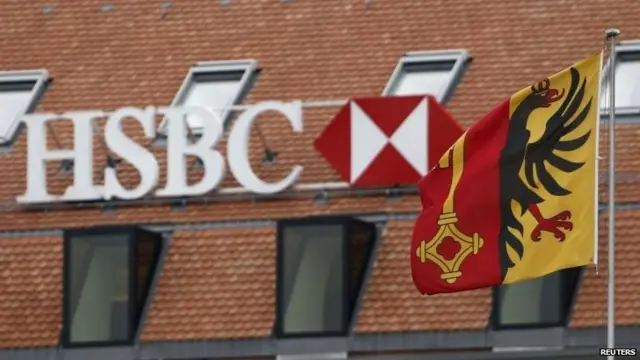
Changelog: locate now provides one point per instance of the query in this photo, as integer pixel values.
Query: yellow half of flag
(560, 168)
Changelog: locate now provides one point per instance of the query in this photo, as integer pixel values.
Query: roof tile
(31, 283)
(193, 289)
(215, 284)
(105, 67)
(591, 306)
(627, 163)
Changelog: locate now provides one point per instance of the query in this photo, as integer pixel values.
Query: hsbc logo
(387, 140)
(368, 140)
(378, 141)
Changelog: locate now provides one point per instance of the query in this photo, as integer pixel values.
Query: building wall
(217, 279)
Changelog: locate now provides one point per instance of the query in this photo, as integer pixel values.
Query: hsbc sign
(374, 141)
(387, 141)
(178, 148)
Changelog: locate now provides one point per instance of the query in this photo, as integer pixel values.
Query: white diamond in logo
(367, 140)
(410, 139)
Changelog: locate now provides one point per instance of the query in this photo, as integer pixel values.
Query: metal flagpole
(611, 37)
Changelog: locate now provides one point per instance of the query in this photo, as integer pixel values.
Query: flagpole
(611, 37)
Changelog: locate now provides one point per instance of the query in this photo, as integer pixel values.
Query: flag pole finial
(612, 32)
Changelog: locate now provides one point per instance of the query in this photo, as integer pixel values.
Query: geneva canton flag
(515, 197)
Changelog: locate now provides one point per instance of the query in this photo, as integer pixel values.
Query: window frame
(569, 294)
(624, 48)
(41, 79)
(349, 305)
(459, 57)
(248, 66)
(134, 312)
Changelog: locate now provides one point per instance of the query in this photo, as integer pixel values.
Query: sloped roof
(234, 296)
(215, 284)
(591, 306)
(330, 49)
(31, 296)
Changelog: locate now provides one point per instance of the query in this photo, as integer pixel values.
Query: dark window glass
(100, 273)
(147, 253)
(313, 264)
(119, 319)
(218, 76)
(429, 66)
(361, 240)
(540, 302)
(108, 273)
(321, 263)
(16, 86)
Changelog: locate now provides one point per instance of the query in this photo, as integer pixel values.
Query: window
(320, 269)
(217, 86)
(433, 73)
(20, 92)
(627, 78)
(107, 275)
(535, 303)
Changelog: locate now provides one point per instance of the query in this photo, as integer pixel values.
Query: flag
(515, 197)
